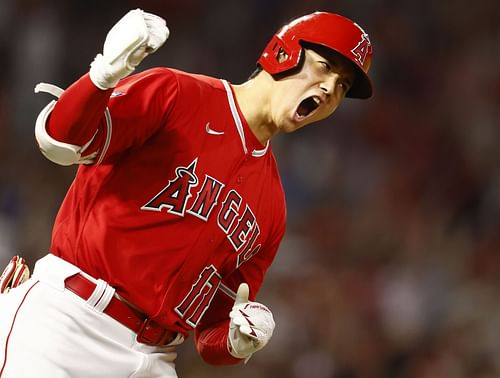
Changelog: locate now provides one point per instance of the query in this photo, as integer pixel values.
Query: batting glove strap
(250, 329)
(130, 40)
(15, 274)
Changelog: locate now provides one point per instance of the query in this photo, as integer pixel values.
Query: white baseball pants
(47, 331)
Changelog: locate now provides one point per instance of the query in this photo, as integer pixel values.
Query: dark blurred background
(391, 262)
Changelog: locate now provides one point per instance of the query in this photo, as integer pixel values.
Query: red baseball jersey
(182, 203)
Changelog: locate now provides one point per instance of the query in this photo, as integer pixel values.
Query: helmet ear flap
(280, 56)
(296, 67)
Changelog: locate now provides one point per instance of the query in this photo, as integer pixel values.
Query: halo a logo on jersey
(234, 217)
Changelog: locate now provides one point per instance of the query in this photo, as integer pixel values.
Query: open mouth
(307, 106)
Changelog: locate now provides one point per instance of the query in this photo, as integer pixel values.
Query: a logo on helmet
(362, 49)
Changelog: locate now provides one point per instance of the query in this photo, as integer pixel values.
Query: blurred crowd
(391, 262)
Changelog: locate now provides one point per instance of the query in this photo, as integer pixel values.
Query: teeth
(316, 100)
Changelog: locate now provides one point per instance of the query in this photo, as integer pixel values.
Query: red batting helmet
(325, 29)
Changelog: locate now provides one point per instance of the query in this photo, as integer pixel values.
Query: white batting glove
(129, 41)
(251, 325)
(15, 274)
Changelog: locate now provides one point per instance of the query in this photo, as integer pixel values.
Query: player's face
(311, 94)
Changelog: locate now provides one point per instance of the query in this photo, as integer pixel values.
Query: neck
(254, 102)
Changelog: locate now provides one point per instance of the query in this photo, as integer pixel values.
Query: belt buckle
(152, 333)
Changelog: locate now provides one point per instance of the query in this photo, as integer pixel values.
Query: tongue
(303, 109)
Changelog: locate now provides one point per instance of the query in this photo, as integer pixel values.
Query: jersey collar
(248, 139)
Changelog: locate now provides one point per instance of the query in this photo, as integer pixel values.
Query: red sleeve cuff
(212, 345)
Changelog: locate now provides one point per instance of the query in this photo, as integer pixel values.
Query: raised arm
(66, 130)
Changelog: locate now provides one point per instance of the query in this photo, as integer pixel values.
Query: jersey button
(239, 179)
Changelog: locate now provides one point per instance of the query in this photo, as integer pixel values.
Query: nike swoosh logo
(211, 131)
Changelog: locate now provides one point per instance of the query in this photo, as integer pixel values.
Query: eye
(344, 85)
(325, 65)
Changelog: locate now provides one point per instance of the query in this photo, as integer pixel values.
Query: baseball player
(176, 211)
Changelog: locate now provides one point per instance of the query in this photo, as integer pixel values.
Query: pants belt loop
(101, 296)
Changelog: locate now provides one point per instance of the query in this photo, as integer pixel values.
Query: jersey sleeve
(113, 121)
(211, 343)
(78, 112)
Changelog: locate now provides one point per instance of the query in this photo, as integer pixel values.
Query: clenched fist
(130, 40)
